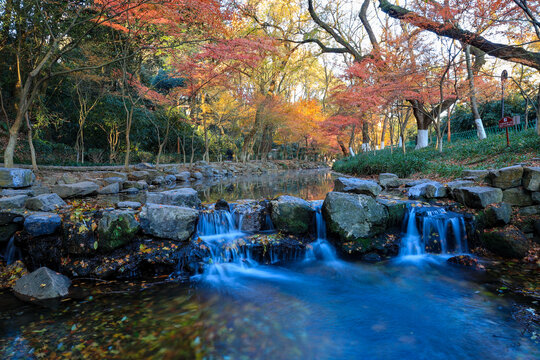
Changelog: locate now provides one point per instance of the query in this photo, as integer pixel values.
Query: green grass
(465, 154)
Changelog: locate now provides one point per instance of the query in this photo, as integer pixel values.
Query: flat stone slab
(478, 196)
(128, 205)
(357, 186)
(16, 178)
(45, 202)
(13, 202)
(428, 190)
(80, 189)
(42, 224)
(177, 197)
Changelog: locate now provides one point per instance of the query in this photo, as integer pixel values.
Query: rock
(251, 215)
(139, 175)
(417, 182)
(371, 257)
(128, 204)
(69, 178)
(42, 224)
(13, 202)
(113, 188)
(465, 260)
(10, 223)
(78, 237)
(517, 197)
(116, 228)
(507, 243)
(357, 186)
(507, 177)
(168, 222)
(178, 197)
(131, 191)
(354, 217)
(495, 215)
(113, 175)
(16, 178)
(291, 215)
(396, 210)
(531, 178)
(158, 180)
(478, 196)
(222, 205)
(45, 202)
(197, 175)
(529, 210)
(43, 284)
(535, 197)
(429, 190)
(144, 165)
(139, 185)
(80, 189)
(114, 179)
(170, 179)
(183, 176)
(14, 192)
(388, 180)
(476, 175)
(452, 185)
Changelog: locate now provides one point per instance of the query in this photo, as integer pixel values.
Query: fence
(471, 134)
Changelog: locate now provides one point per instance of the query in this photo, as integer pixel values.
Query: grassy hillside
(466, 154)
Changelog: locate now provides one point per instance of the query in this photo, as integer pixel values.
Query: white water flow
(433, 230)
(320, 249)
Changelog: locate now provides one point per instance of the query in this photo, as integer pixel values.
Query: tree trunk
(385, 122)
(423, 120)
(474, 105)
(129, 119)
(31, 144)
(365, 136)
(538, 112)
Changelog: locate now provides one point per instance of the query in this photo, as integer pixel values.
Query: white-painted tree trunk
(422, 139)
(351, 151)
(400, 143)
(366, 147)
(382, 145)
(480, 129)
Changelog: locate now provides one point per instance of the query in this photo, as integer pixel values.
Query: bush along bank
(160, 236)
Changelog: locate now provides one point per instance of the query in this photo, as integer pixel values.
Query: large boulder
(452, 185)
(531, 178)
(495, 215)
(116, 228)
(354, 217)
(357, 186)
(517, 197)
(80, 189)
(42, 284)
(388, 180)
(507, 243)
(178, 197)
(507, 177)
(396, 210)
(45, 202)
(16, 178)
(291, 214)
(13, 202)
(42, 224)
(169, 222)
(183, 176)
(429, 190)
(478, 196)
(140, 175)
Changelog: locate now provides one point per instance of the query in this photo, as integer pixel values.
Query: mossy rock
(508, 243)
(116, 228)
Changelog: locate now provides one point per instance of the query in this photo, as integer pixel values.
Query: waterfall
(432, 230)
(320, 248)
(12, 253)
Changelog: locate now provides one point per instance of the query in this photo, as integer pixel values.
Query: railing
(470, 134)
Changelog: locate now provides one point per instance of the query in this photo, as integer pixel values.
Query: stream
(312, 306)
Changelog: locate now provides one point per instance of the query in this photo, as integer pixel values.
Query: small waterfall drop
(432, 230)
(320, 248)
(12, 253)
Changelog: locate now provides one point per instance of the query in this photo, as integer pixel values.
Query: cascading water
(433, 230)
(12, 252)
(320, 248)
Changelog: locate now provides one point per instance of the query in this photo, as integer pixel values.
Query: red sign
(506, 122)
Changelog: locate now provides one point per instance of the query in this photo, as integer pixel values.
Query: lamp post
(504, 77)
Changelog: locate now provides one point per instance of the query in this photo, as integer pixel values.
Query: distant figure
(229, 154)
